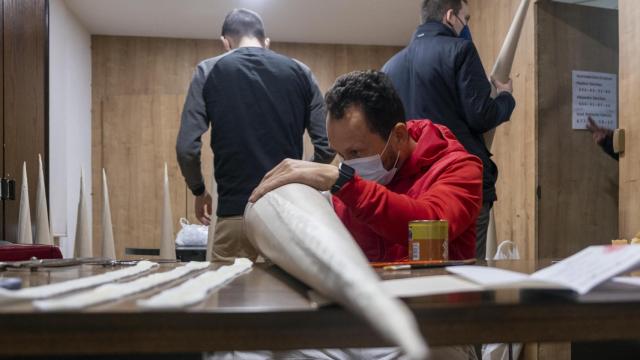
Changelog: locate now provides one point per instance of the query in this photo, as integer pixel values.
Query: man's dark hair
(435, 9)
(373, 93)
(241, 23)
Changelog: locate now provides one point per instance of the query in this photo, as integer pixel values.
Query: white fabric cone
(167, 241)
(43, 232)
(296, 227)
(83, 244)
(501, 72)
(25, 235)
(108, 243)
(502, 67)
(211, 229)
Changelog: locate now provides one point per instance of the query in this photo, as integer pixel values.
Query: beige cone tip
(108, 242)
(43, 230)
(83, 246)
(167, 241)
(25, 236)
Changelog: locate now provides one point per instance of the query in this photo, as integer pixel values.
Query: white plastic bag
(192, 234)
(507, 250)
(501, 351)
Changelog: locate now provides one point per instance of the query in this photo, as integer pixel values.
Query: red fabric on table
(22, 252)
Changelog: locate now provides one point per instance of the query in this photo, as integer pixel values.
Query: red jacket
(440, 180)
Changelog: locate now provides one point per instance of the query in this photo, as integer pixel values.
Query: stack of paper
(595, 266)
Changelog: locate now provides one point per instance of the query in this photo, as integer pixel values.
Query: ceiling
(608, 4)
(379, 22)
(376, 22)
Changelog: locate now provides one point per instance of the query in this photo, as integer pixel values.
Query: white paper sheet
(591, 267)
(627, 280)
(595, 95)
(428, 285)
(487, 276)
(580, 272)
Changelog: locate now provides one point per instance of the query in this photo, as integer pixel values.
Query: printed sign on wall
(595, 94)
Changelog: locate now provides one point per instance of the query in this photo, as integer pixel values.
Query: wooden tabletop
(267, 309)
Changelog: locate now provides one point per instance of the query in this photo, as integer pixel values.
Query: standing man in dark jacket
(440, 77)
(258, 104)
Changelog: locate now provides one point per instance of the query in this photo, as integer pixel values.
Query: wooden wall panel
(139, 85)
(629, 99)
(141, 131)
(578, 181)
(514, 147)
(2, 167)
(25, 40)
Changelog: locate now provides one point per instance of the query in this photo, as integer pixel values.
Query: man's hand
(318, 176)
(203, 208)
(598, 133)
(502, 87)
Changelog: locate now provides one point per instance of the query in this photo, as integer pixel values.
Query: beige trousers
(230, 241)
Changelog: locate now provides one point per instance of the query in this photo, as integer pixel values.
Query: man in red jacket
(392, 172)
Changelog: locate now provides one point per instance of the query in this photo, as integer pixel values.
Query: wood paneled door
(23, 99)
(578, 182)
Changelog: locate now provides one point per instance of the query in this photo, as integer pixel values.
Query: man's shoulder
(442, 44)
(397, 60)
(205, 66)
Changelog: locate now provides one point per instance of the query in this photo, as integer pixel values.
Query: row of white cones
(83, 246)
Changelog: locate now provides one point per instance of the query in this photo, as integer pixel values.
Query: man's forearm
(191, 170)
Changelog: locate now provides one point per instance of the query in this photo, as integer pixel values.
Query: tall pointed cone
(43, 233)
(211, 229)
(24, 218)
(83, 245)
(492, 242)
(502, 67)
(167, 242)
(501, 72)
(108, 244)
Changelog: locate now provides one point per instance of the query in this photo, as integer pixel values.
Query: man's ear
(267, 43)
(400, 132)
(225, 43)
(448, 17)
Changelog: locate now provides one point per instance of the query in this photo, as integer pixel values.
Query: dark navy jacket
(440, 77)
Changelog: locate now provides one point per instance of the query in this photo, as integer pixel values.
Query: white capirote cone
(83, 245)
(24, 218)
(108, 243)
(501, 72)
(167, 241)
(43, 232)
(502, 68)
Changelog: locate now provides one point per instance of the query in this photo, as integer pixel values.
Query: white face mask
(371, 167)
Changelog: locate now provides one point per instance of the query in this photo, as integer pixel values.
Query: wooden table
(267, 309)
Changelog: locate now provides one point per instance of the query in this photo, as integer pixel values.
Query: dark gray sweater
(258, 104)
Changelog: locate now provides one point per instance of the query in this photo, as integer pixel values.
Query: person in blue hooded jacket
(440, 77)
